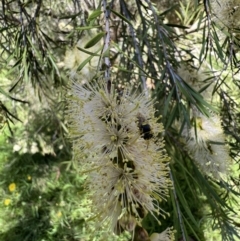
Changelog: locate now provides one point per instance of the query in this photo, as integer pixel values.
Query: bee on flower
(125, 158)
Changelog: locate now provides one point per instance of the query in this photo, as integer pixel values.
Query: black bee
(144, 127)
(146, 132)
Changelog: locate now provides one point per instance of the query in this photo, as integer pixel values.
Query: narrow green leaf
(191, 228)
(175, 212)
(70, 16)
(201, 103)
(2, 91)
(180, 228)
(169, 10)
(207, 189)
(87, 60)
(167, 102)
(204, 87)
(106, 53)
(3, 29)
(216, 143)
(176, 26)
(53, 63)
(88, 27)
(200, 18)
(25, 64)
(184, 203)
(185, 113)
(94, 40)
(129, 57)
(202, 51)
(94, 15)
(121, 16)
(36, 52)
(4, 108)
(126, 70)
(171, 117)
(219, 49)
(88, 52)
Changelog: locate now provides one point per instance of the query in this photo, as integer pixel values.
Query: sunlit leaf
(94, 40)
(94, 15)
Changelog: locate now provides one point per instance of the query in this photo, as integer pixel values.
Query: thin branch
(106, 41)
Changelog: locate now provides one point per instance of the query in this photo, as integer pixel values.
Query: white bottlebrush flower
(116, 140)
(166, 235)
(74, 57)
(226, 13)
(206, 144)
(197, 79)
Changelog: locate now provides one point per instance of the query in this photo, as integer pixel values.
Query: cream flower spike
(206, 142)
(197, 79)
(74, 57)
(207, 146)
(227, 13)
(116, 140)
